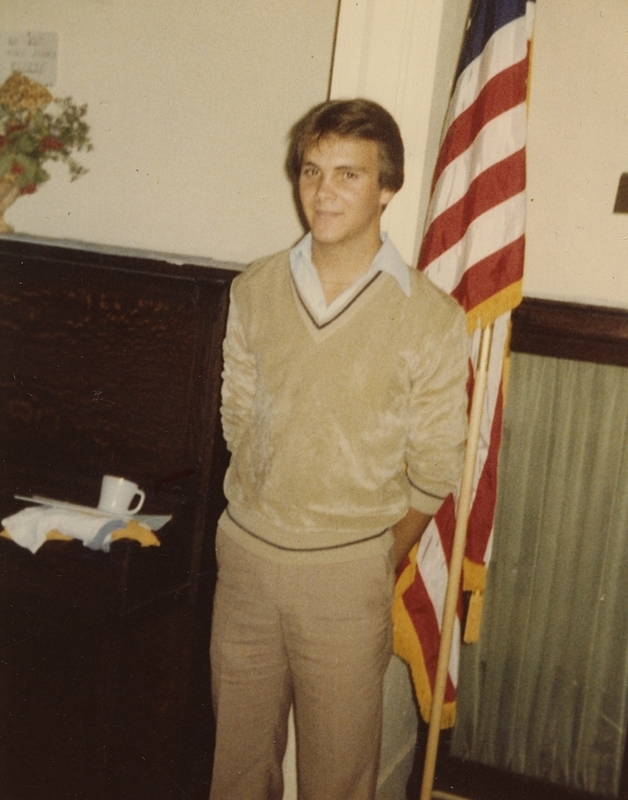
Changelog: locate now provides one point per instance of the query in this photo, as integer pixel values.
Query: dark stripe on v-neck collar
(322, 325)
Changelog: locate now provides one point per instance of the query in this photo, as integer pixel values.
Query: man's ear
(385, 196)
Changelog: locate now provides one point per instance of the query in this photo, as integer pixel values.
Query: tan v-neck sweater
(336, 429)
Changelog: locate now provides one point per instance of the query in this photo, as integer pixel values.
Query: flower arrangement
(31, 134)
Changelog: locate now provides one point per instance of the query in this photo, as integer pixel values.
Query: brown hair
(359, 119)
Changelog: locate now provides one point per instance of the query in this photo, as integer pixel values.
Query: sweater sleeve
(239, 380)
(438, 415)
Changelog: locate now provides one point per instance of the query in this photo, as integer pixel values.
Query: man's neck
(340, 265)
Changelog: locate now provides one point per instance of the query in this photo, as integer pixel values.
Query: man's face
(340, 192)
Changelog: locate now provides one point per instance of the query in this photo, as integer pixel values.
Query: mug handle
(142, 497)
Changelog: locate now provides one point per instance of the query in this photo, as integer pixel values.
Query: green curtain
(545, 690)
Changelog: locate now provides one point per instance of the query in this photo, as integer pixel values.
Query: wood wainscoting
(572, 331)
(556, 330)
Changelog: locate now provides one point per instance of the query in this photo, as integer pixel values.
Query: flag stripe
(408, 645)
(498, 139)
(501, 329)
(433, 565)
(503, 92)
(490, 231)
(481, 515)
(492, 186)
(505, 48)
(430, 588)
(499, 270)
(418, 605)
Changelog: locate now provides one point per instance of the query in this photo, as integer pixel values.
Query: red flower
(17, 169)
(14, 128)
(51, 143)
(30, 188)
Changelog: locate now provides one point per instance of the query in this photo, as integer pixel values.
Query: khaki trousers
(318, 636)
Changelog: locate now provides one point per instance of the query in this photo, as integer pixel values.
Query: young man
(344, 408)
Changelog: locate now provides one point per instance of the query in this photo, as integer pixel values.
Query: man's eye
(351, 175)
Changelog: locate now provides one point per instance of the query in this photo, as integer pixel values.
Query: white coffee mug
(117, 494)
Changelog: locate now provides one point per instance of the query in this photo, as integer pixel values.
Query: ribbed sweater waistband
(370, 545)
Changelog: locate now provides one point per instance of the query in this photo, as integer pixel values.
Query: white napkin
(29, 527)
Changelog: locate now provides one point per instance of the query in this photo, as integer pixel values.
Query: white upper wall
(577, 249)
(189, 105)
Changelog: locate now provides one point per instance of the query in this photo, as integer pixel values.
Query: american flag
(473, 248)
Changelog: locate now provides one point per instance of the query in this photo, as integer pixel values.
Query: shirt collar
(387, 259)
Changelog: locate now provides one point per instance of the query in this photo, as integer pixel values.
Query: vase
(9, 192)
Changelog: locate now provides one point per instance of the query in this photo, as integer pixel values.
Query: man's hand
(407, 532)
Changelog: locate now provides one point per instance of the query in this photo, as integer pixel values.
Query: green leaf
(30, 169)
(6, 161)
(27, 144)
(41, 175)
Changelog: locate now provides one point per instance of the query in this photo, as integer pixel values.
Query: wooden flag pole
(455, 568)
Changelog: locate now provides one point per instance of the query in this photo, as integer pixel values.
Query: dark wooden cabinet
(109, 364)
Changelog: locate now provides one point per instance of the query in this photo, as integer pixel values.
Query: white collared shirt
(309, 285)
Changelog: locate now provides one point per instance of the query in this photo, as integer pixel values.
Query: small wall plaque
(32, 53)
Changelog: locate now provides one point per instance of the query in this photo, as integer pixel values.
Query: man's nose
(326, 185)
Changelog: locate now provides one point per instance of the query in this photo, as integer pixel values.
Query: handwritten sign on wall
(30, 52)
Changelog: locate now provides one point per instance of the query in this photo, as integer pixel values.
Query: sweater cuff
(426, 503)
